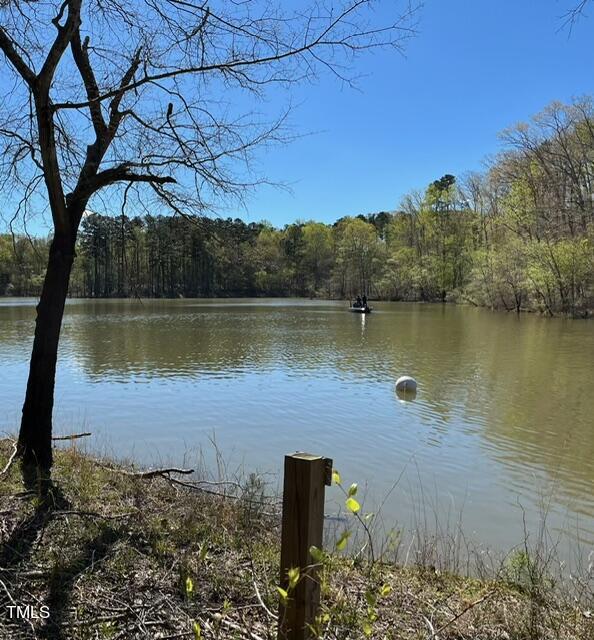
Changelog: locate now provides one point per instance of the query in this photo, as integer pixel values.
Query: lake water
(501, 430)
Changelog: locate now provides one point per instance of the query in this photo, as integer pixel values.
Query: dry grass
(118, 556)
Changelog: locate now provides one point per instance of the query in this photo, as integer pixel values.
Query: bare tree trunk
(35, 442)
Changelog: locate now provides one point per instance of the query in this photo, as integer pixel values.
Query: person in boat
(358, 303)
(364, 301)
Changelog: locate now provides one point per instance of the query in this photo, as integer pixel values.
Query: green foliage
(520, 237)
(283, 593)
(316, 554)
(352, 505)
(342, 541)
(108, 629)
(526, 571)
(362, 616)
(189, 584)
(22, 265)
(293, 575)
(293, 578)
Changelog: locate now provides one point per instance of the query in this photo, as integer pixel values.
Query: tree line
(518, 236)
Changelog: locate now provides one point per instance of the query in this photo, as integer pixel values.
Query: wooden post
(306, 476)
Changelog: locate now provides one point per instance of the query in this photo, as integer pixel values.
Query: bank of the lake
(115, 555)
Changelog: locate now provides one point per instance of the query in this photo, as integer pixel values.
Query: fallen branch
(159, 472)
(10, 460)
(93, 514)
(73, 436)
(150, 473)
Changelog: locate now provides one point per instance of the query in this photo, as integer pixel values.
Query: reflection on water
(406, 395)
(502, 420)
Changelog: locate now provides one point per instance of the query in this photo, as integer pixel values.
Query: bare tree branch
(9, 50)
(80, 53)
(571, 17)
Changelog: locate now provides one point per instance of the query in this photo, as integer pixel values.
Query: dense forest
(519, 236)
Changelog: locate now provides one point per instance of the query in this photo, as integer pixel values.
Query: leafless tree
(154, 99)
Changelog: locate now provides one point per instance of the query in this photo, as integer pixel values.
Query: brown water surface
(502, 428)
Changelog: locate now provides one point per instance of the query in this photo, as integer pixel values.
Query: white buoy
(406, 383)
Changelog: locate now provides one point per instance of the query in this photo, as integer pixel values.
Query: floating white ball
(406, 383)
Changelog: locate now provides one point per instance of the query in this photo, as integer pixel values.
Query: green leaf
(189, 586)
(367, 629)
(197, 631)
(283, 594)
(352, 505)
(316, 554)
(293, 575)
(203, 552)
(342, 541)
(335, 476)
(385, 590)
(353, 489)
(370, 598)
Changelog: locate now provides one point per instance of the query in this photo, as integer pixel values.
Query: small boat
(361, 309)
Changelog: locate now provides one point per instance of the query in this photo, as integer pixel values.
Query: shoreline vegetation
(117, 553)
(518, 237)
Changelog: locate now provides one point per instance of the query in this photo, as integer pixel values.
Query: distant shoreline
(586, 315)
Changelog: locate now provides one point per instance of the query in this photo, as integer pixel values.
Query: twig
(195, 487)
(272, 615)
(230, 496)
(468, 608)
(430, 626)
(12, 600)
(12, 457)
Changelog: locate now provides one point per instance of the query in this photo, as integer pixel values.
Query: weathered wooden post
(306, 476)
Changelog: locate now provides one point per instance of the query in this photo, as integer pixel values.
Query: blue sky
(475, 68)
